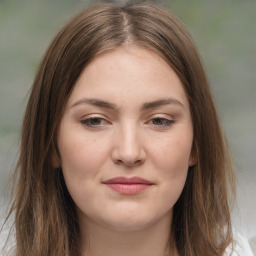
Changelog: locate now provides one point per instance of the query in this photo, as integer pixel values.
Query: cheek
(173, 153)
(171, 157)
(78, 150)
(173, 180)
(81, 159)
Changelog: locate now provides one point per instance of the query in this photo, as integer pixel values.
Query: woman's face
(125, 140)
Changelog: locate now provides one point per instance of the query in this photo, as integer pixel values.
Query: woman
(121, 150)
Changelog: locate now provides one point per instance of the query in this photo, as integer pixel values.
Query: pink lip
(128, 186)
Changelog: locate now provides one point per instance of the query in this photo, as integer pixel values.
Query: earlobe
(55, 158)
(192, 160)
(55, 161)
(193, 157)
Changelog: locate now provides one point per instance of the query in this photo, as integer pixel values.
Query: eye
(160, 121)
(94, 122)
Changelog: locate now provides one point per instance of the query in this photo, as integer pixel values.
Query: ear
(192, 160)
(193, 156)
(55, 158)
(55, 161)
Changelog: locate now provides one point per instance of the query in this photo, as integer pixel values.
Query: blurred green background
(223, 30)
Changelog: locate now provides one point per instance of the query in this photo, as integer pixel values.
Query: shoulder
(241, 247)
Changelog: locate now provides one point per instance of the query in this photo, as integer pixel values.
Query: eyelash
(88, 120)
(165, 122)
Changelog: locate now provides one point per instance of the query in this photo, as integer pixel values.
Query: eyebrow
(161, 102)
(147, 105)
(96, 102)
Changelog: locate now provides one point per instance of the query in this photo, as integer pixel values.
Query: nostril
(128, 150)
(130, 163)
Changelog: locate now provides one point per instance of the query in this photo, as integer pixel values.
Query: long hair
(45, 215)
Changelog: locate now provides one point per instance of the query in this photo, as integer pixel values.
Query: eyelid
(161, 115)
(94, 116)
(170, 120)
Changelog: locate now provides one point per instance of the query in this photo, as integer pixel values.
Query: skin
(128, 138)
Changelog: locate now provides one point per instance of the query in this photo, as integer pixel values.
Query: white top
(242, 247)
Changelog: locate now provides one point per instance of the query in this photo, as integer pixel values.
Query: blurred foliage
(26, 28)
(224, 31)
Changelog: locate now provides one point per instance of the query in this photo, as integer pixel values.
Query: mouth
(128, 186)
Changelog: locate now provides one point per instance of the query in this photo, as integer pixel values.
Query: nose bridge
(129, 142)
(129, 148)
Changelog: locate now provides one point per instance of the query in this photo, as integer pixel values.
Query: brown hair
(45, 216)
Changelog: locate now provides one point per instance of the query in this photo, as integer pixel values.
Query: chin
(129, 222)
(128, 225)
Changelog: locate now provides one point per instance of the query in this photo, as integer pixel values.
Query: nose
(128, 148)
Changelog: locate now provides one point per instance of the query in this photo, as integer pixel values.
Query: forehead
(127, 74)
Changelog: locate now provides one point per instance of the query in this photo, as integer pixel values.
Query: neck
(154, 240)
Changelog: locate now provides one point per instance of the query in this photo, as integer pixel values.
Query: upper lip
(125, 180)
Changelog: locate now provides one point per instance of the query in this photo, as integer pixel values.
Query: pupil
(158, 121)
(95, 121)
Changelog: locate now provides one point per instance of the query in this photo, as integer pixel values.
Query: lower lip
(128, 189)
